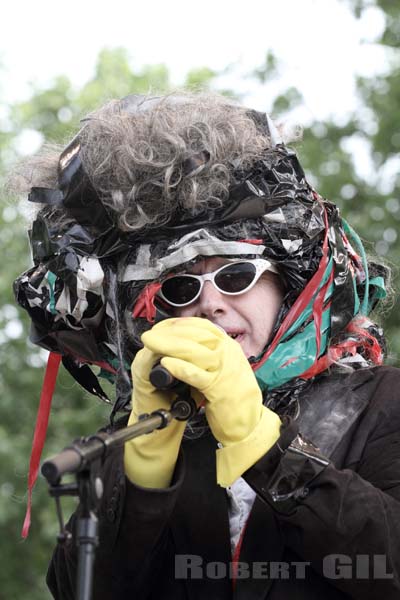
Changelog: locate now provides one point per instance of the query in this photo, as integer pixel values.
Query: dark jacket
(339, 537)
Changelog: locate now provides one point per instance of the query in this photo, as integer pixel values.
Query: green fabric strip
(51, 279)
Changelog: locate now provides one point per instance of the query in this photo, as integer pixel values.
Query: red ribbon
(144, 306)
(39, 436)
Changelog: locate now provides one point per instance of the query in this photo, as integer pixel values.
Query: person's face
(250, 316)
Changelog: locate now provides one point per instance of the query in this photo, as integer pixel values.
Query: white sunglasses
(232, 279)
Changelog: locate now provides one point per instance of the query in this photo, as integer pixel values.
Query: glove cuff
(235, 459)
(149, 460)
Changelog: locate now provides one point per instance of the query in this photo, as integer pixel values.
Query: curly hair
(159, 153)
(154, 155)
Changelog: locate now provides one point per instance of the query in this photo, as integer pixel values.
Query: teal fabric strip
(351, 233)
(292, 358)
(378, 283)
(51, 279)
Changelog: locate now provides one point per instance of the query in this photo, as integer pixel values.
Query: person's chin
(244, 346)
(249, 350)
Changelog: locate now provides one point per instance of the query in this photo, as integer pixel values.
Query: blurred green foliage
(371, 204)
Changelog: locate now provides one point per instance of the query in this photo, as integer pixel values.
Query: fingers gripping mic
(162, 379)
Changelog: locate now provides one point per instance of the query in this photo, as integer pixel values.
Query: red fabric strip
(98, 363)
(320, 365)
(39, 435)
(363, 339)
(236, 555)
(318, 308)
(252, 241)
(366, 340)
(144, 306)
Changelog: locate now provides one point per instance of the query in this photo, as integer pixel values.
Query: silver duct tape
(183, 251)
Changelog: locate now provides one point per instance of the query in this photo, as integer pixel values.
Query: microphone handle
(162, 379)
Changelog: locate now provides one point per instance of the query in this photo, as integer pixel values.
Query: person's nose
(211, 301)
(209, 304)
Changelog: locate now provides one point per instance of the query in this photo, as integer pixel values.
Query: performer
(182, 229)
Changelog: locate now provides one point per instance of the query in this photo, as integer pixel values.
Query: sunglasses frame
(261, 265)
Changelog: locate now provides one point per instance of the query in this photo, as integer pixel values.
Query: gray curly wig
(151, 155)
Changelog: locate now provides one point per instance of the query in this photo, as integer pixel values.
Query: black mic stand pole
(84, 458)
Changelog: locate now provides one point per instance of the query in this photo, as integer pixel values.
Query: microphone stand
(84, 458)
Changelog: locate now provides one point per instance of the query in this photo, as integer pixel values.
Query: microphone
(183, 407)
(162, 379)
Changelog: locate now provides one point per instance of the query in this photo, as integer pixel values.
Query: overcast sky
(319, 42)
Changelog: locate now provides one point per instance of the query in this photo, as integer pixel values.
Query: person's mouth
(239, 336)
(235, 335)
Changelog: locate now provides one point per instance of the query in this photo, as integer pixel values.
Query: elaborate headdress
(150, 184)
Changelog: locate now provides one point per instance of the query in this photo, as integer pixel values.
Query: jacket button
(111, 515)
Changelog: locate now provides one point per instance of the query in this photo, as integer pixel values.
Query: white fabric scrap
(63, 304)
(65, 309)
(241, 500)
(292, 245)
(79, 309)
(90, 277)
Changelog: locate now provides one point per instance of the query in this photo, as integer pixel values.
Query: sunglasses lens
(236, 277)
(180, 289)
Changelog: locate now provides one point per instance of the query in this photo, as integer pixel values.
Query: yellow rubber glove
(150, 459)
(205, 357)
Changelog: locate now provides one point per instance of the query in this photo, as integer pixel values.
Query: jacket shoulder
(383, 410)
